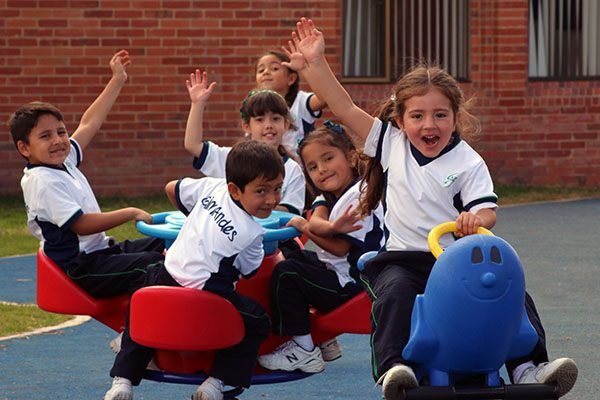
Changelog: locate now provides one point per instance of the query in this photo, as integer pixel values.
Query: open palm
(198, 86)
(308, 40)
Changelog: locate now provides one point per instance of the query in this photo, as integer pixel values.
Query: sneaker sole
(564, 377)
(393, 381)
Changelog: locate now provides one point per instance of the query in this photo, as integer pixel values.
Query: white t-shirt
(304, 120)
(218, 242)
(55, 197)
(369, 238)
(421, 193)
(211, 162)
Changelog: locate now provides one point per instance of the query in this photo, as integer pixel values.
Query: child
(210, 256)
(61, 208)
(265, 116)
(430, 175)
(305, 107)
(328, 278)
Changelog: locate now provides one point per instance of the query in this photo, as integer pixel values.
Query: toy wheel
(433, 239)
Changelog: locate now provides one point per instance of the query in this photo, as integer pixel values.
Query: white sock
(304, 341)
(518, 372)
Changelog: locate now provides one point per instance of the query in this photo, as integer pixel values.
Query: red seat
(57, 293)
(177, 318)
(351, 317)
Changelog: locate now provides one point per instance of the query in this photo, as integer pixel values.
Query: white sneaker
(561, 372)
(115, 344)
(398, 377)
(330, 350)
(121, 389)
(290, 356)
(210, 389)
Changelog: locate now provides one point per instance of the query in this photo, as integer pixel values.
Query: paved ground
(558, 244)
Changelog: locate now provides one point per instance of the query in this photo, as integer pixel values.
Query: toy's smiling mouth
(486, 291)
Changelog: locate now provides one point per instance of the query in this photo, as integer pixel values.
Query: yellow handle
(433, 239)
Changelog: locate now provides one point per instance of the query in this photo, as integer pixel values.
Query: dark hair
(416, 82)
(249, 160)
(261, 101)
(293, 90)
(333, 135)
(22, 121)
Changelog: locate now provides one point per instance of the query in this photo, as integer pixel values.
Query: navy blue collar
(61, 168)
(424, 160)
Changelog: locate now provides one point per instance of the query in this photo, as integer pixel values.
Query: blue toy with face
(471, 317)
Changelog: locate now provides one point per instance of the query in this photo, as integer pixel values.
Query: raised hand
(119, 63)
(198, 86)
(308, 40)
(347, 222)
(297, 62)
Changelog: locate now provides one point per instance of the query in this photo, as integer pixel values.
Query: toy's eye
(495, 255)
(477, 256)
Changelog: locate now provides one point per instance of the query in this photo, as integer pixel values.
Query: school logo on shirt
(450, 179)
(215, 211)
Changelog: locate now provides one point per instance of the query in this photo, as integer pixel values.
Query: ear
(245, 126)
(234, 191)
(292, 78)
(23, 148)
(398, 122)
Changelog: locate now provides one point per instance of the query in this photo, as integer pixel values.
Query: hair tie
(337, 128)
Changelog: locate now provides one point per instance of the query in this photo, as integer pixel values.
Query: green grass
(25, 318)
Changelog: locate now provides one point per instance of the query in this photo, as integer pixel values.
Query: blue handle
(360, 264)
(166, 225)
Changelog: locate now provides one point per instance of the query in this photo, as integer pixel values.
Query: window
(564, 36)
(383, 37)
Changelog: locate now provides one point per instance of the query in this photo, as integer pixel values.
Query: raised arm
(94, 116)
(317, 72)
(199, 91)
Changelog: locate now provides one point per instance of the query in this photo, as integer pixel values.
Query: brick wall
(543, 133)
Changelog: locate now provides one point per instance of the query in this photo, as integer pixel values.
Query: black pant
(394, 279)
(118, 269)
(302, 281)
(232, 365)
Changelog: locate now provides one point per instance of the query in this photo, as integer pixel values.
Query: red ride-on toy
(188, 326)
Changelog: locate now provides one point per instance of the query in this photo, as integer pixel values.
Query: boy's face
(48, 142)
(259, 197)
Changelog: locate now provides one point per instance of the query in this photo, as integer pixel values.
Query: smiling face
(270, 74)
(48, 142)
(428, 122)
(260, 196)
(267, 128)
(328, 167)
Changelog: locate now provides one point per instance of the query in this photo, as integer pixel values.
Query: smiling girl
(327, 278)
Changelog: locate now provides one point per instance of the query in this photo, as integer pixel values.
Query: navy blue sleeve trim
(78, 150)
(319, 203)
(72, 220)
(379, 151)
(180, 205)
(316, 114)
(291, 209)
(350, 239)
(199, 161)
(490, 199)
